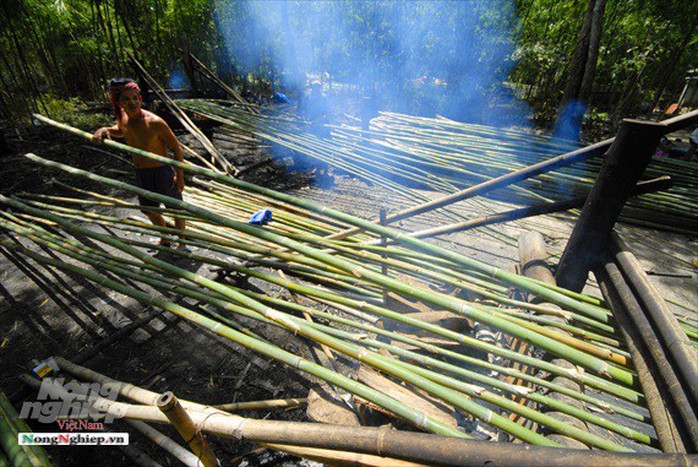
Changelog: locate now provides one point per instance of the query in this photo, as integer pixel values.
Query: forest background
(495, 62)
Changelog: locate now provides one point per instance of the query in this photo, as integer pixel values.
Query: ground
(45, 313)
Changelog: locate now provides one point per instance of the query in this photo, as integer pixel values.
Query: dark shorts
(159, 180)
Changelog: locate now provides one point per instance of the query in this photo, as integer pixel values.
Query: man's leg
(158, 220)
(181, 224)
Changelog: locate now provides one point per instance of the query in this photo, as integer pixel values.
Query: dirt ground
(45, 313)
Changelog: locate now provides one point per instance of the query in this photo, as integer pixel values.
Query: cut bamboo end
(178, 417)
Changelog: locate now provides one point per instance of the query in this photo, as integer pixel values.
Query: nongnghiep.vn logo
(58, 401)
(73, 439)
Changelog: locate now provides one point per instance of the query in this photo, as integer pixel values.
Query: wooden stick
(334, 457)
(626, 162)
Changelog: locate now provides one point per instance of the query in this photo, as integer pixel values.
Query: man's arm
(107, 132)
(171, 142)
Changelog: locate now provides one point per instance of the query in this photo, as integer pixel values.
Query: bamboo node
(462, 308)
(422, 421)
(604, 370)
(237, 430)
(521, 390)
(298, 362)
(380, 440)
(361, 354)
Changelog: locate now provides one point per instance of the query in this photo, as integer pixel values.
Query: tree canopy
(462, 59)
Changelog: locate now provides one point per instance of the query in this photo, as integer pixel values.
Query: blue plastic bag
(261, 217)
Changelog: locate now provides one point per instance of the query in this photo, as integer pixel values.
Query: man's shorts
(159, 180)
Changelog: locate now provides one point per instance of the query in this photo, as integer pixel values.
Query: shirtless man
(145, 130)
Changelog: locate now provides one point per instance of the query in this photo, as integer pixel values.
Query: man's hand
(101, 134)
(179, 181)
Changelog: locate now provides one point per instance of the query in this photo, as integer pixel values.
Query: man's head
(125, 94)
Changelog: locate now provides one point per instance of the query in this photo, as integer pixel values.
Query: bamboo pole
(268, 404)
(177, 451)
(212, 76)
(178, 417)
(662, 415)
(10, 427)
(675, 340)
(649, 186)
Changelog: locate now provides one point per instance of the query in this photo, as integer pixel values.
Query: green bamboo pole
(10, 426)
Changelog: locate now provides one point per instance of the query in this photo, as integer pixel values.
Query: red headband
(116, 91)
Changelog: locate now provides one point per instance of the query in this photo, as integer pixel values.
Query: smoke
(423, 57)
(177, 80)
(569, 122)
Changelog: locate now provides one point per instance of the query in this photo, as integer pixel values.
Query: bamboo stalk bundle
(349, 271)
(479, 393)
(194, 169)
(378, 279)
(445, 156)
(342, 347)
(506, 150)
(130, 392)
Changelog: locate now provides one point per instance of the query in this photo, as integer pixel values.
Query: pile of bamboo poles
(346, 278)
(401, 151)
(11, 452)
(346, 275)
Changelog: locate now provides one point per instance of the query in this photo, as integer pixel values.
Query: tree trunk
(578, 63)
(24, 64)
(593, 51)
(581, 72)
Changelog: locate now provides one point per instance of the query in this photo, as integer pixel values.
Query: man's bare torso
(144, 133)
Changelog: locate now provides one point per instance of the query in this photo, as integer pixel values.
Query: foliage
(73, 112)
(387, 47)
(646, 48)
